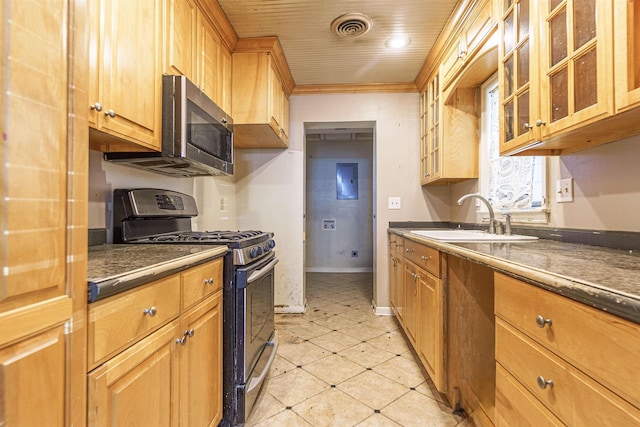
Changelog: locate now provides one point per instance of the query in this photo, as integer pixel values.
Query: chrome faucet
(492, 219)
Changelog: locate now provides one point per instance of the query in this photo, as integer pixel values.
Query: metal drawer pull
(150, 311)
(542, 383)
(110, 113)
(97, 106)
(425, 258)
(208, 281)
(541, 321)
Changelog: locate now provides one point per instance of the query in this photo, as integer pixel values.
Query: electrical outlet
(564, 190)
(394, 202)
(328, 224)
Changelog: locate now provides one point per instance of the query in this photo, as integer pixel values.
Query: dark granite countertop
(116, 268)
(607, 279)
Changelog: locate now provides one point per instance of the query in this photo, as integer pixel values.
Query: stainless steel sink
(449, 235)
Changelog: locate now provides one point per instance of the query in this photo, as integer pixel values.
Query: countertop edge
(104, 287)
(619, 304)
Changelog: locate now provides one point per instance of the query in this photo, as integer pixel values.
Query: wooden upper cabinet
(477, 26)
(449, 138)
(627, 67)
(194, 48)
(180, 24)
(125, 94)
(261, 86)
(556, 74)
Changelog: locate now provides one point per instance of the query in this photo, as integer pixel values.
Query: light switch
(564, 190)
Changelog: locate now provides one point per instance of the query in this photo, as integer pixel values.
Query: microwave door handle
(256, 381)
(258, 274)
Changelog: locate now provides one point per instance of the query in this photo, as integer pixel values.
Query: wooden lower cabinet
(578, 363)
(516, 407)
(139, 385)
(201, 365)
(417, 299)
(173, 375)
(410, 316)
(430, 328)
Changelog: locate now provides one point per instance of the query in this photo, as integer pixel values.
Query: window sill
(521, 216)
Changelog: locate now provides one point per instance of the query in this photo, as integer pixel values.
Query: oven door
(255, 285)
(257, 342)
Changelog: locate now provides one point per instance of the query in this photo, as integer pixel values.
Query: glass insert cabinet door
(555, 69)
(518, 75)
(430, 135)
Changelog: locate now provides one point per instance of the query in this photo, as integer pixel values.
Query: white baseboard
(338, 270)
(382, 311)
(296, 309)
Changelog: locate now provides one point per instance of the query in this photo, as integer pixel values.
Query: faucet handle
(507, 224)
(498, 227)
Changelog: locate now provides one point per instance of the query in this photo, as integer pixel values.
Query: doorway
(339, 197)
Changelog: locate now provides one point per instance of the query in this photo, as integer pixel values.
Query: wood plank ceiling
(317, 56)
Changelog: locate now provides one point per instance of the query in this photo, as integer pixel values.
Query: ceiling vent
(351, 25)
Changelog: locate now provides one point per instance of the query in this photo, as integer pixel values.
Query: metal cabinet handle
(110, 113)
(150, 311)
(187, 334)
(97, 106)
(541, 321)
(539, 123)
(543, 383)
(527, 126)
(425, 258)
(208, 281)
(223, 120)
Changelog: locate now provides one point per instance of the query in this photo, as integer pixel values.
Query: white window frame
(532, 215)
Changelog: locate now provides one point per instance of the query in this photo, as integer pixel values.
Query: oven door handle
(258, 274)
(255, 382)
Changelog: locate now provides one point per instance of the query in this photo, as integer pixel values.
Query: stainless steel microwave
(197, 135)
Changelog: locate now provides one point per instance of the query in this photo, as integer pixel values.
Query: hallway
(339, 365)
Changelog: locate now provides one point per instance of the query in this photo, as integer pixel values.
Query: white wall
(215, 196)
(329, 250)
(270, 183)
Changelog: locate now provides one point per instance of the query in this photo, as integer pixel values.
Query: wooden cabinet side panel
(471, 338)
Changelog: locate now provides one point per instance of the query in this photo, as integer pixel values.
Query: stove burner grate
(206, 236)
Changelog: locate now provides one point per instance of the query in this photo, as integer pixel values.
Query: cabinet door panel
(131, 70)
(627, 67)
(201, 365)
(32, 380)
(138, 386)
(430, 327)
(181, 38)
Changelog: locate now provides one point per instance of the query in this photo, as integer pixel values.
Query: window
(515, 184)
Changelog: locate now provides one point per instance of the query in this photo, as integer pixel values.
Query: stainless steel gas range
(153, 216)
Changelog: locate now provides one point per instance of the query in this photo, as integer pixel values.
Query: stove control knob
(253, 253)
(272, 243)
(267, 248)
(259, 250)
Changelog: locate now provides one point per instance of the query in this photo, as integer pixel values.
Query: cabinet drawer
(120, 320)
(424, 256)
(574, 397)
(198, 282)
(604, 346)
(515, 406)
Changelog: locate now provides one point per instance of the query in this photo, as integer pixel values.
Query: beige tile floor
(339, 365)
